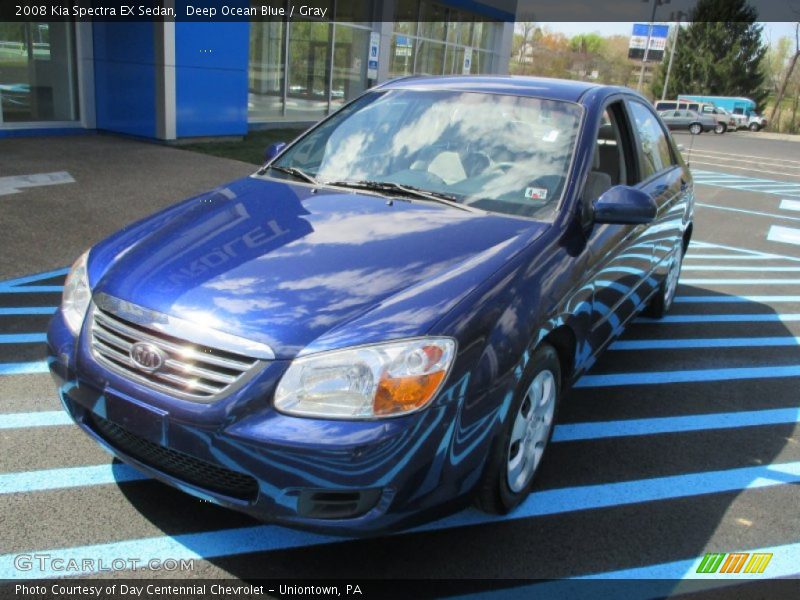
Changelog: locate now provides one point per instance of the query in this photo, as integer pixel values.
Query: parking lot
(683, 439)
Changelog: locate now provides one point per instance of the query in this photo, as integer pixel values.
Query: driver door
(619, 256)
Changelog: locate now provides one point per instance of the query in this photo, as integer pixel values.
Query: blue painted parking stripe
(786, 235)
(34, 277)
(23, 368)
(54, 479)
(733, 299)
(706, 281)
(708, 246)
(264, 538)
(733, 182)
(687, 376)
(758, 268)
(613, 429)
(757, 213)
(672, 344)
(45, 418)
(22, 338)
(773, 184)
(790, 205)
(28, 310)
(727, 177)
(693, 256)
(719, 181)
(745, 318)
(35, 289)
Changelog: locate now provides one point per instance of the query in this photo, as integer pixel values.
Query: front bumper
(346, 477)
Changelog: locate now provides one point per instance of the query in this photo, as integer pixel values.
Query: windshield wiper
(295, 172)
(406, 190)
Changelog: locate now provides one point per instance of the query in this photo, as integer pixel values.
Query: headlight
(380, 380)
(76, 295)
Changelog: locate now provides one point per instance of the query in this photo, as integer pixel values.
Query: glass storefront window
(266, 70)
(459, 29)
(350, 48)
(37, 72)
(484, 37)
(481, 62)
(454, 60)
(303, 70)
(430, 58)
(432, 21)
(402, 55)
(309, 68)
(406, 15)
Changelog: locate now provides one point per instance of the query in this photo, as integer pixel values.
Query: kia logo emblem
(147, 357)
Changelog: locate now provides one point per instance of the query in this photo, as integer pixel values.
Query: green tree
(719, 53)
(588, 43)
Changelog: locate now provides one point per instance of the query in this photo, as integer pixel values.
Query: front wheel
(720, 128)
(695, 129)
(754, 127)
(518, 451)
(662, 301)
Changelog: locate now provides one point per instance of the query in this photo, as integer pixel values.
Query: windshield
(499, 153)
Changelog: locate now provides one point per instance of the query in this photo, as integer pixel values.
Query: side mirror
(273, 150)
(625, 206)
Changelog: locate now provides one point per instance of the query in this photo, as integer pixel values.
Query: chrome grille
(191, 371)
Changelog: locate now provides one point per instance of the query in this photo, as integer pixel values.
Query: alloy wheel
(531, 430)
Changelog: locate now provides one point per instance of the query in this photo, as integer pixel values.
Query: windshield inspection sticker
(535, 193)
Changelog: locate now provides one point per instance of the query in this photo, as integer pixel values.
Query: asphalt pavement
(683, 439)
(101, 184)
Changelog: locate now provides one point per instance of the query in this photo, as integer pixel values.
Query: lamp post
(656, 4)
(675, 17)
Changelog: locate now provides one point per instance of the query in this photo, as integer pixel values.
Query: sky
(772, 31)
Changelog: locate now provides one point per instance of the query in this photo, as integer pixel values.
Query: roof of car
(557, 89)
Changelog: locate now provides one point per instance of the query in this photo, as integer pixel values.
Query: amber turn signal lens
(404, 394)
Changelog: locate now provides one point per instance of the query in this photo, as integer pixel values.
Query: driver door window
(655, 155)
(611, 163)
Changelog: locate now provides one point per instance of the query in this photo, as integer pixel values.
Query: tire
(518, 450)
(661, 302)
(695, 129)
(720, 128)
(754, 127)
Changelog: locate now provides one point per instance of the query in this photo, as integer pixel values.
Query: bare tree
(526, 28)
(788, 76)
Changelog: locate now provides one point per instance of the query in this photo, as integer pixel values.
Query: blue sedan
(378, 326)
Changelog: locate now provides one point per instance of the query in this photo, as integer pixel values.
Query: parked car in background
(689, 120)
(756, 122)
(723, 122)
(378, 326)
(733, 122)
(733, 104)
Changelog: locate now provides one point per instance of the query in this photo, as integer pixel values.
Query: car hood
(282, 264)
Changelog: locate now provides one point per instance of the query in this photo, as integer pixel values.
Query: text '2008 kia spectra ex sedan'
(378, 326)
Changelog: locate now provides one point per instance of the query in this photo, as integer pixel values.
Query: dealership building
(193, 79)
